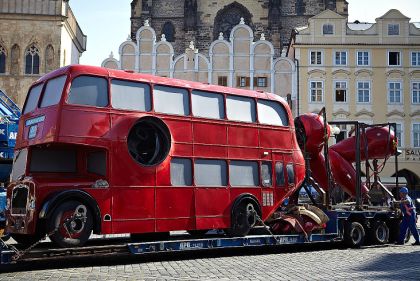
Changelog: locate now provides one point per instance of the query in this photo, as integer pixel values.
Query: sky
(107, 22)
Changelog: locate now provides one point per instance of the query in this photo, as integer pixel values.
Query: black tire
(26, 240)
(379, 233)
(354, 234)
(243, 219)
(72, 222)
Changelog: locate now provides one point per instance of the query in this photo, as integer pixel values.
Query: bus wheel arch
(244, 214)
(73, 195)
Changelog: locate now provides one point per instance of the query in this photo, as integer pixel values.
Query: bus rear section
(115, 152)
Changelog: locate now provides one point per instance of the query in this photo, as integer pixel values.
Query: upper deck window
(208, 105)
(272, 113)
(171, 100)
(240, 109)
(89, 90)
(32, 99)
(130, 95)
(53, 91)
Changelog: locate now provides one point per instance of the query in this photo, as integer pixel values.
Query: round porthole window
(149, 141)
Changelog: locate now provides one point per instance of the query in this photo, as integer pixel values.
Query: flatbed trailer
(333, 232)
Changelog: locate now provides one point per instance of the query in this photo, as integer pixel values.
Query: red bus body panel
(142, 199)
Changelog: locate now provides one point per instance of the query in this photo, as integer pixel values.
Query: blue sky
(107, 22)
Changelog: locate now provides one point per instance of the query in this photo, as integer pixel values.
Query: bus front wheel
(244, 217)
(71, 224)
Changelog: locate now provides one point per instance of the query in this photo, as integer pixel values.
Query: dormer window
(393, 29)
(327, 28)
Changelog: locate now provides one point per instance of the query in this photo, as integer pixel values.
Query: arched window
(2, 59)
(49, 58)
(32, 60)
(14, 61)
(169, 31)
(229, 17)
(328, 28)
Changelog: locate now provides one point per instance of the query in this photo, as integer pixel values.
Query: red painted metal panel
(174, 202)
(276, 138)
(83, 123)
(134, 226)
(213, 223)
(210, 151)
(246, 153)
(132, 203)
(211, 201)
(243, 136)
(180, 128)
(182, 149)
(210, 133)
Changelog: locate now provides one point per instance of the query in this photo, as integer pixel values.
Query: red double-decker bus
(115, 152)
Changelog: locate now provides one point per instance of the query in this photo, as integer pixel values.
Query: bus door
(280, 180)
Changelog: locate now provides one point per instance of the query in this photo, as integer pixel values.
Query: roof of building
(359, 25)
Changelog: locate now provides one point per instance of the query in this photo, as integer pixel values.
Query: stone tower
(203, 21)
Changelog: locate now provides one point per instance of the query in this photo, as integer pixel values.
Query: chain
(275, 237)
(19, 254)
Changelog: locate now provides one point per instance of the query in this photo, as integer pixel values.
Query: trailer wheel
(243, 219)
(354, 234)
(71, 224)
(379, 234)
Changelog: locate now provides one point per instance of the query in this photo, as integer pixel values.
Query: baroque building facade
(202, 21)
(36, 37)
(369, 72)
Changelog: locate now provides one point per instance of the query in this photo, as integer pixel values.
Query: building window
(32, 60)
(340, 91)
(394, 92)
(222, 80)
(242, 81)
(316, 57)
(327, 29)
(261, 81)
(340, 58)
(393, 29)
(169, 31)
(415, 92)
(316, 91)
(2, 59)
(362, 58)
(363, 91)
(416, 135)
(415, 59)
(394, 58)
(398, 134)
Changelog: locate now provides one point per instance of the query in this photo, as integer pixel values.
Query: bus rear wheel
(244, 217)
(71, 224)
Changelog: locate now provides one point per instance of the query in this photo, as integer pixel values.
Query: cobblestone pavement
(305, 262)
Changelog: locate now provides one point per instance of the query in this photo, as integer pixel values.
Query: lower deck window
(181, 172)
(243, 173)
(50, 160)
(96, 163)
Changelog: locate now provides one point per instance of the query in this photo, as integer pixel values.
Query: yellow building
(368, 72)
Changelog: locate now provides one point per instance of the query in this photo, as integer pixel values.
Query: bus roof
(148, 78)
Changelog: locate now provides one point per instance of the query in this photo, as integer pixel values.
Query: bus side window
(240, 109)
(243, 173)
(210, 172)
(171, 100)
(209, 105)
(279, 174)
(290, 174)
(181, 172)
(89, 90)
(272, 113)
(130, 95)
(266, 174)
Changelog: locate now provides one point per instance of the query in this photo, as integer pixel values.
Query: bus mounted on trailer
(115, 152)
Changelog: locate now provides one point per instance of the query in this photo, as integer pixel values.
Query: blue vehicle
(9, 118)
